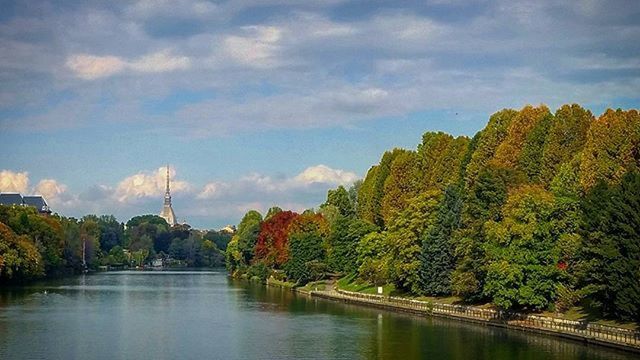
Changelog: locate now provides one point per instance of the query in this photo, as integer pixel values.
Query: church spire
(167, 210)
(167, 188)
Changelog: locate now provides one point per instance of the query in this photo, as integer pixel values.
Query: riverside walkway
(625, 339)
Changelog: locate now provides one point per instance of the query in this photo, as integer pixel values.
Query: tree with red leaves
(272, 244)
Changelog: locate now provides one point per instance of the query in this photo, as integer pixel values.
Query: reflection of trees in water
(381, 334)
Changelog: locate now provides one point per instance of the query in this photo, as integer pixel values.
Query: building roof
(10, 199)
(36, 201)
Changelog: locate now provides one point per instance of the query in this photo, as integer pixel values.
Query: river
(206, 315)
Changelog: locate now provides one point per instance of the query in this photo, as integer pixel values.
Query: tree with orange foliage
(272, 243)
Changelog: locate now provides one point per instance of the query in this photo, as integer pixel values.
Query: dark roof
(36, 201)
(10, 199)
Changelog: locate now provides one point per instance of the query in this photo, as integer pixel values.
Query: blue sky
(255, 103)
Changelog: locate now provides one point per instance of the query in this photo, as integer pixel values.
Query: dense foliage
(537, 211)
(34, 245)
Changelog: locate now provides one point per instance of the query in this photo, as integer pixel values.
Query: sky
(256, 103)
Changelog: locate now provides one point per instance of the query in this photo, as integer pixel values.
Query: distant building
(35, 201)
(167, 211)
(231, 229)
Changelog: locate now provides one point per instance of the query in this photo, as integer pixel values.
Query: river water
(206, 315)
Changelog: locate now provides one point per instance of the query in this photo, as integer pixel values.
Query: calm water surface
(205, 315)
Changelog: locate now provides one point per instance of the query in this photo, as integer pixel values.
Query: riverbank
(590, 333)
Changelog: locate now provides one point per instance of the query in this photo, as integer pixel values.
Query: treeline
(536, 211)
(33, 245)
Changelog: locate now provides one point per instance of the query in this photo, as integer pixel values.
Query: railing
(580, 328)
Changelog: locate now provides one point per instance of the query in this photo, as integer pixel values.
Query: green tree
(437, 256)
(611, 250)
(522, 252)
(533, 147)
(567, 136)
(306, 239)
(371, 258)
(340, 199)
(242, 245)
(345, 235)
(372, 190)
(612, 147)
(509, 151)
(401, 184)
(483, 201)
(488, 141)
(19, 258)
(440, 157)
(404, 240)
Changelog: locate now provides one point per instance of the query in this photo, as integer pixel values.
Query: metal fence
(580, 328)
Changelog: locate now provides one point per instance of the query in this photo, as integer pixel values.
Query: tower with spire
(167, 211)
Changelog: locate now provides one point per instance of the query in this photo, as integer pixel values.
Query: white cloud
(256, 186)
(160, 62)
(90, 67)
(150, 8)
(11, 181)
(213, 190)
(258, 48)
(325, 175)
(147, 184)
(50, 189)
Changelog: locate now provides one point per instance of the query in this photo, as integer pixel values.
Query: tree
(371, 262)
(404, 240)
(611, 250)
(612, 148)
(19, 258)
(45, 233)
(346, 233)
(307, 235)
(534, 144)
(440, 158)
(523, 255)
(241, 248)
(272, 243)
(372, 190)
(340, 199)
(401, 184)
(488, 141)
(509, 151)
(437, 255)
(483, 201)
(354, 189)
(220, 238)
(567, 136)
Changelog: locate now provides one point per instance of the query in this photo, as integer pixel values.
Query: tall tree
(440, 158)
(401, 184)
(612, 147)
(272, 243)
(241, 248)
(307, 236)
(404, 240)
(488, 141)
(522, 252)
(19, 258)
(437, 256)
(612, 246)
(340, 198)
(345, 235)
(372, 190)
(567, 136)
(509, 151)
